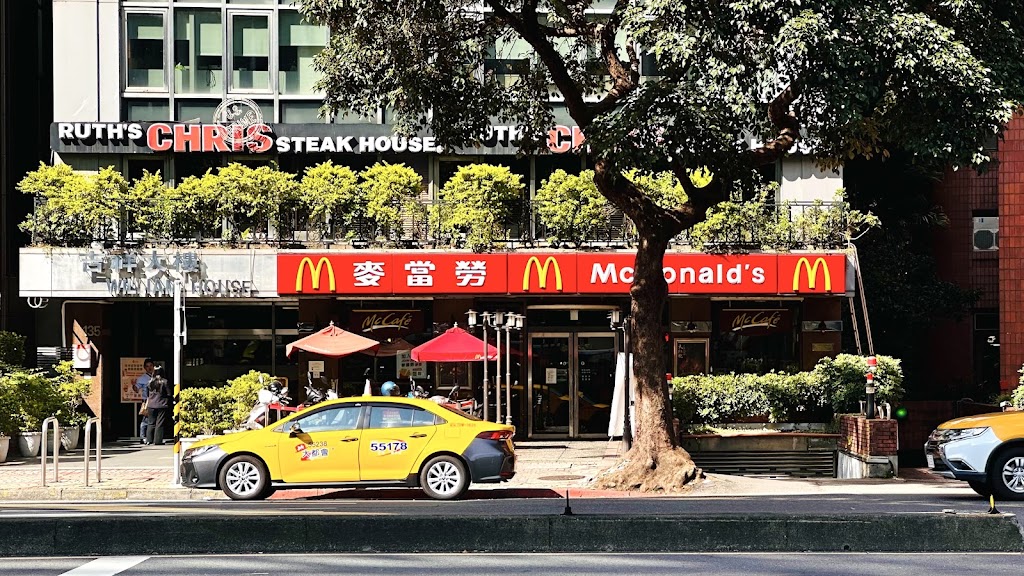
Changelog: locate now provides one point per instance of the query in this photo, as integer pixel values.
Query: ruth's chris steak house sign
(403, 273)
(260, 138)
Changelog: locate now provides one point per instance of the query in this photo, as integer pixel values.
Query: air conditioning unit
(986, 233)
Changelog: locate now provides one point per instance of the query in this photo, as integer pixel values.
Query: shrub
(73, 207)
(72, 388)
(835, 385)
(12, 350)
(844, 377)
(391, 192)
(9, 416)
(216, 409)
(479, 205)
(251, 198)
(1018, 398)
(331, 195)
(570, 206)
(35, 398)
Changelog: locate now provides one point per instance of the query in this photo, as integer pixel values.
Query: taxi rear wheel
(444, 478)
(245, 478)
(1008, 475)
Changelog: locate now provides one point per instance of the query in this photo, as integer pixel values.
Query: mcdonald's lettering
(316, 272)
(812, 274)
(542, 273)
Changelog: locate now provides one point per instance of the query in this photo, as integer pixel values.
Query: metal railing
(46, 446)
(90, 424)
(415, 227)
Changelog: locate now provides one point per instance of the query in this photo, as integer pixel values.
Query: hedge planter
(5, 445)
(68, 437)
(29, 443)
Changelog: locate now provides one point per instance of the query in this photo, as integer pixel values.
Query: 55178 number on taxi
(353, 442)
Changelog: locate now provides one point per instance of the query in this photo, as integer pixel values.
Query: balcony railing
(294, 228)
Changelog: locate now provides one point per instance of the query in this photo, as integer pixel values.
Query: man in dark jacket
(158, 404)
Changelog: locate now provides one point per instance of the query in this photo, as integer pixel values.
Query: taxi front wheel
(1008, 469)
(444, 478)
(245, 478)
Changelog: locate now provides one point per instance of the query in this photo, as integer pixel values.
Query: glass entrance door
(571, 379)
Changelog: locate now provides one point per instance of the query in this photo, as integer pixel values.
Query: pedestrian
(158, 402)
(142, 387)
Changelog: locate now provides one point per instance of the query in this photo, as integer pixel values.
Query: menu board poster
(409, 368)
(131, 369)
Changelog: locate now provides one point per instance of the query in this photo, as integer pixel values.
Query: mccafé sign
(433, 273)
(386, 322)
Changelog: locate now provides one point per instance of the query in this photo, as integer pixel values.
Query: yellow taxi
(371, 441)
(986, 451)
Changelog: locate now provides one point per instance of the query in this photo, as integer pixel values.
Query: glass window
(198, 52)
(146, 110)
(138, 167)
(250, 52)
(300, 42)
(195, 110)
(423, 418)
(331, 419)
(250, 1)
(397, 417)
(508, 57)
(145, 50)
(300, 112)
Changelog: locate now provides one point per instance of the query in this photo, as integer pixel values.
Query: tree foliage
(479, 206)
(570, 207)
(330, 194)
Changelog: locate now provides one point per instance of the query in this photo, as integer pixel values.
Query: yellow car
(356, 442)
(987, 451)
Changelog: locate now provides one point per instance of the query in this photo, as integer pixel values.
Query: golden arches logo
(812, 273)
(316, 271)
(542, 273)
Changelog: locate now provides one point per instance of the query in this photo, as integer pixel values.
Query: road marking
(107, 566)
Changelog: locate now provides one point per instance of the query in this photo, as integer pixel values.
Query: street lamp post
(471, 321)
(625, 324)
(506, 321)
(513, 322)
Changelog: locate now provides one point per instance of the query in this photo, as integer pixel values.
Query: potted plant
(72, 388)
(36, 400)
(8, 421)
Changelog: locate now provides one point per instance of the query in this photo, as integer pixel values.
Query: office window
(146, 110)
(145, 50)
(300, 42)
(301, 112)
(198, 52)
(195, 110)
(250, 52)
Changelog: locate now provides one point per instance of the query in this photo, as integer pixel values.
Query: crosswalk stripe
(107, 566)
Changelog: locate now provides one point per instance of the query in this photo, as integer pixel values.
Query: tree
(850, 77)
(571, 207)
(479, 205)
(391, 192)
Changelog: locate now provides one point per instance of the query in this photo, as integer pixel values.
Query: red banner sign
(401, 273)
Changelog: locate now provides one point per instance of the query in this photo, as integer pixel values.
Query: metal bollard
(56, 449)
(89, 425)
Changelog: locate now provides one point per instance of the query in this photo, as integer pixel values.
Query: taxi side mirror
(294, 430)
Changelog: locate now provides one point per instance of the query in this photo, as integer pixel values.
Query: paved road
(505, 564)
(786, 505)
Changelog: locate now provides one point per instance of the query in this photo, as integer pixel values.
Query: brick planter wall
(867, 448)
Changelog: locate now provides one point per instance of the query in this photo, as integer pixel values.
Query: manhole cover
(563, 477)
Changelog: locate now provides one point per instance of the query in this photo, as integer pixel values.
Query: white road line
(107, 566)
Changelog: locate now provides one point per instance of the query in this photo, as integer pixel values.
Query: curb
(222, 534)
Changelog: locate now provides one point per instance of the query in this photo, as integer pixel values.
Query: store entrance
(571, 378)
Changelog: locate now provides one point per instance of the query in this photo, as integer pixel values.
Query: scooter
(315, 395)
(469, 406)
(273, 397)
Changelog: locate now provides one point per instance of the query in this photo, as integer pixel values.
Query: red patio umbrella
(332, 342)
(455, 345)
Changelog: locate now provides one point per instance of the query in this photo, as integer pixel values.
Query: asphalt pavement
(505, 564)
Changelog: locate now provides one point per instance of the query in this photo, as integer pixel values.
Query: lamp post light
(618, 322)
(513, 322)
(471, 320)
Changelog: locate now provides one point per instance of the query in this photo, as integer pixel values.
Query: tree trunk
(655, 463)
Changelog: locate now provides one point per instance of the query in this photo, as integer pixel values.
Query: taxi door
(325, 448)
(394, 437)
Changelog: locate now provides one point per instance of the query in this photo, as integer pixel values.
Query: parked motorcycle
(315, 395)
(274, 398)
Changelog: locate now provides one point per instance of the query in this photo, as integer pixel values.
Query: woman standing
(157, 404)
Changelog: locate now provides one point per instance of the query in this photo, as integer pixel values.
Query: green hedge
(218, 408)
(27, 397)
(835, 385)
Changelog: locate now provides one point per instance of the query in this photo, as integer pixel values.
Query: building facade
(182, 87)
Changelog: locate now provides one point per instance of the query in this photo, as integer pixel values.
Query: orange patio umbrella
(332, 342)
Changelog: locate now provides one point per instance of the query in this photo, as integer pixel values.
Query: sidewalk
(131, 471)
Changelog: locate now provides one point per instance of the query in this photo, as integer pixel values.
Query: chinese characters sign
(152, 273)
(399, 273)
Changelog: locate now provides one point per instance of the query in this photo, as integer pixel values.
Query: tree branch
(783, 119)
(625, 81)
(530, 30)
